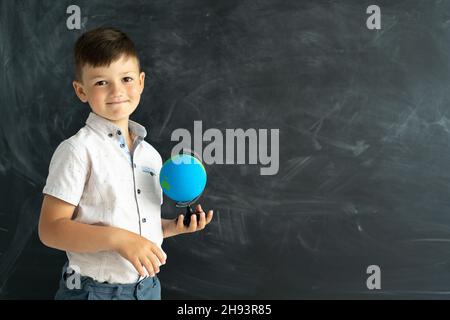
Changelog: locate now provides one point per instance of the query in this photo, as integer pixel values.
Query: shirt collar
(106, 127)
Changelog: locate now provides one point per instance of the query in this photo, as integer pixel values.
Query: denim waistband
(111, 288)
(88, 283)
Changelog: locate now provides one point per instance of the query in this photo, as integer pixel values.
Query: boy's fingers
(209, 217)
(160, 255)
(155, 264)
(148, 265)
(180, 225)
(199, 208)
(138, 266)
(193, 223)
(202, 221)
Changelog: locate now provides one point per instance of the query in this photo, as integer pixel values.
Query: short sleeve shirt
(109, 185)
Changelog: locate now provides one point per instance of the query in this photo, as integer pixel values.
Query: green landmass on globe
(165, 185)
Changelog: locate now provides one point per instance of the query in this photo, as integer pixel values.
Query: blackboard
(364, 127)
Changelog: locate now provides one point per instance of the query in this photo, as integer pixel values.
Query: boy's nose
(117, 90)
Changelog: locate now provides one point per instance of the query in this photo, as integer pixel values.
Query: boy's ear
(78, 87)
(142, 80)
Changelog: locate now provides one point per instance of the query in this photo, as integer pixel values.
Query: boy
(102, 199)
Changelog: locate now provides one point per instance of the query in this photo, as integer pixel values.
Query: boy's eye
(127, 79)
(100, 83)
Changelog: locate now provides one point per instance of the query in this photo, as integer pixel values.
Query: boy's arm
(57, 230)
(169, 228)
(173, 227)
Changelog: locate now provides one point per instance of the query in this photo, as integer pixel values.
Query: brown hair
(101, 46)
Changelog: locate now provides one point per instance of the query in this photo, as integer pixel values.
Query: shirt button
(119, 132)
(144, 220)
(110, 135)
(138, 191)
(122, 145)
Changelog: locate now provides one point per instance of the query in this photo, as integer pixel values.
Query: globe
(182, 178)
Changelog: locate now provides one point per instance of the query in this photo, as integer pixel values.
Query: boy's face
(113, 92)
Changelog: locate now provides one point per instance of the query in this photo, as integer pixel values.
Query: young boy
(102, 199)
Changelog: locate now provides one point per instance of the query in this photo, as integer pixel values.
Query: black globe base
(187, 216)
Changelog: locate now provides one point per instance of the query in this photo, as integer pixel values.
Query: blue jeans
(146, 289)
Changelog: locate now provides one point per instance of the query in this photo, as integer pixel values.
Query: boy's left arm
(173, 227)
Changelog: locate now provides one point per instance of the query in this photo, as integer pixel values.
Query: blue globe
(182, 178)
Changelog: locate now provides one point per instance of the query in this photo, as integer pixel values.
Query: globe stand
(189, 211)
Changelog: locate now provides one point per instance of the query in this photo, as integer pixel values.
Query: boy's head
(107, 73)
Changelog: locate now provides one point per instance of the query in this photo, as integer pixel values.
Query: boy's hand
(141, 252)
(194, 225)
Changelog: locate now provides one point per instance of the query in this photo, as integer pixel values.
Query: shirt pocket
(148, 179)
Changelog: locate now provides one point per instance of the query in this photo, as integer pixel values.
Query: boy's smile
(113, 91)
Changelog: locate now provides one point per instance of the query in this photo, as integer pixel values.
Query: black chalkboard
(364, 128)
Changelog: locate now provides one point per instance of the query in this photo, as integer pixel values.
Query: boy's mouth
(117, 102)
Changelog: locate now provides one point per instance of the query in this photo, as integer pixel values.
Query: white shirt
(94, 171)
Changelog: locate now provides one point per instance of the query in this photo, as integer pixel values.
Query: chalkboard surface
(364, 149)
